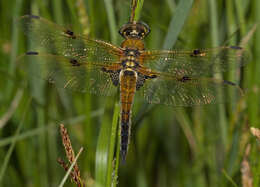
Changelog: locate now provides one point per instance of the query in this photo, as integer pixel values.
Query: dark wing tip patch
(230, 83)
(32, 53)
(236, 47)
(33, 17)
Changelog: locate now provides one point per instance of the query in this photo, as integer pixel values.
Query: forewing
(195, 63)
(187, 91)
(70, 73)
(60, 41)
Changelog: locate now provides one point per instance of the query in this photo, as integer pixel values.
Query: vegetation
(170, 146)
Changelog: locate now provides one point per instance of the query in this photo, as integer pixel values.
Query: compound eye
(141, 34)
(127, 33)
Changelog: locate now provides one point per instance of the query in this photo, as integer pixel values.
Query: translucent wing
(60, 41)
(197, 62)
(71, 73)
(186, 91)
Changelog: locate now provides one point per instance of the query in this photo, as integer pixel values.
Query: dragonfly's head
(136, 30)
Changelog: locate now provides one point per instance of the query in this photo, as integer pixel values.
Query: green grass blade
(12, 65)
(111, 20)
(177, 22)
(105, 150)
(39, 130)
(112, 146)
(214, 28)
(138, 9)
(11, 148)
(229, 178)
(102, 152)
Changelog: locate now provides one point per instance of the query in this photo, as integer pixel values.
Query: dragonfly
(170, 77)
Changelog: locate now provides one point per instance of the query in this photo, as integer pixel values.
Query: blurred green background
(170, 146)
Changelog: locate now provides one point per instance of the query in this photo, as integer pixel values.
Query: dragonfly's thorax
(130, 58)
(130, 62)
(133, 43)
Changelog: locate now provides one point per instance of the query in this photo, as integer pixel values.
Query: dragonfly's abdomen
(128, 78)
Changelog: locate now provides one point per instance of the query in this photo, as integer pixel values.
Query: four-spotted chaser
(171, 77)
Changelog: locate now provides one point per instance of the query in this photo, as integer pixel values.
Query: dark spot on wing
(106, 70)
(141, 79)
(184, 79)
(34, 17)
(70, 33)
(230, 83)
(74, 62)
(32, 53)
(197, 53)
(152, 76)
(236, 47)
(114, 75)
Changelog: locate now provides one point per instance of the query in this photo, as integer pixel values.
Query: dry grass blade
(75, 174)
(83, 17)
(133, 7)
(247, 179)
(255, 132)
(249, 35)
(5, 118)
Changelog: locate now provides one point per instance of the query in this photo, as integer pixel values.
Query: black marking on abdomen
(32, 53)
(124, 138)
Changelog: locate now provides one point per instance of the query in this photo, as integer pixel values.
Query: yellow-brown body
(128, 81)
